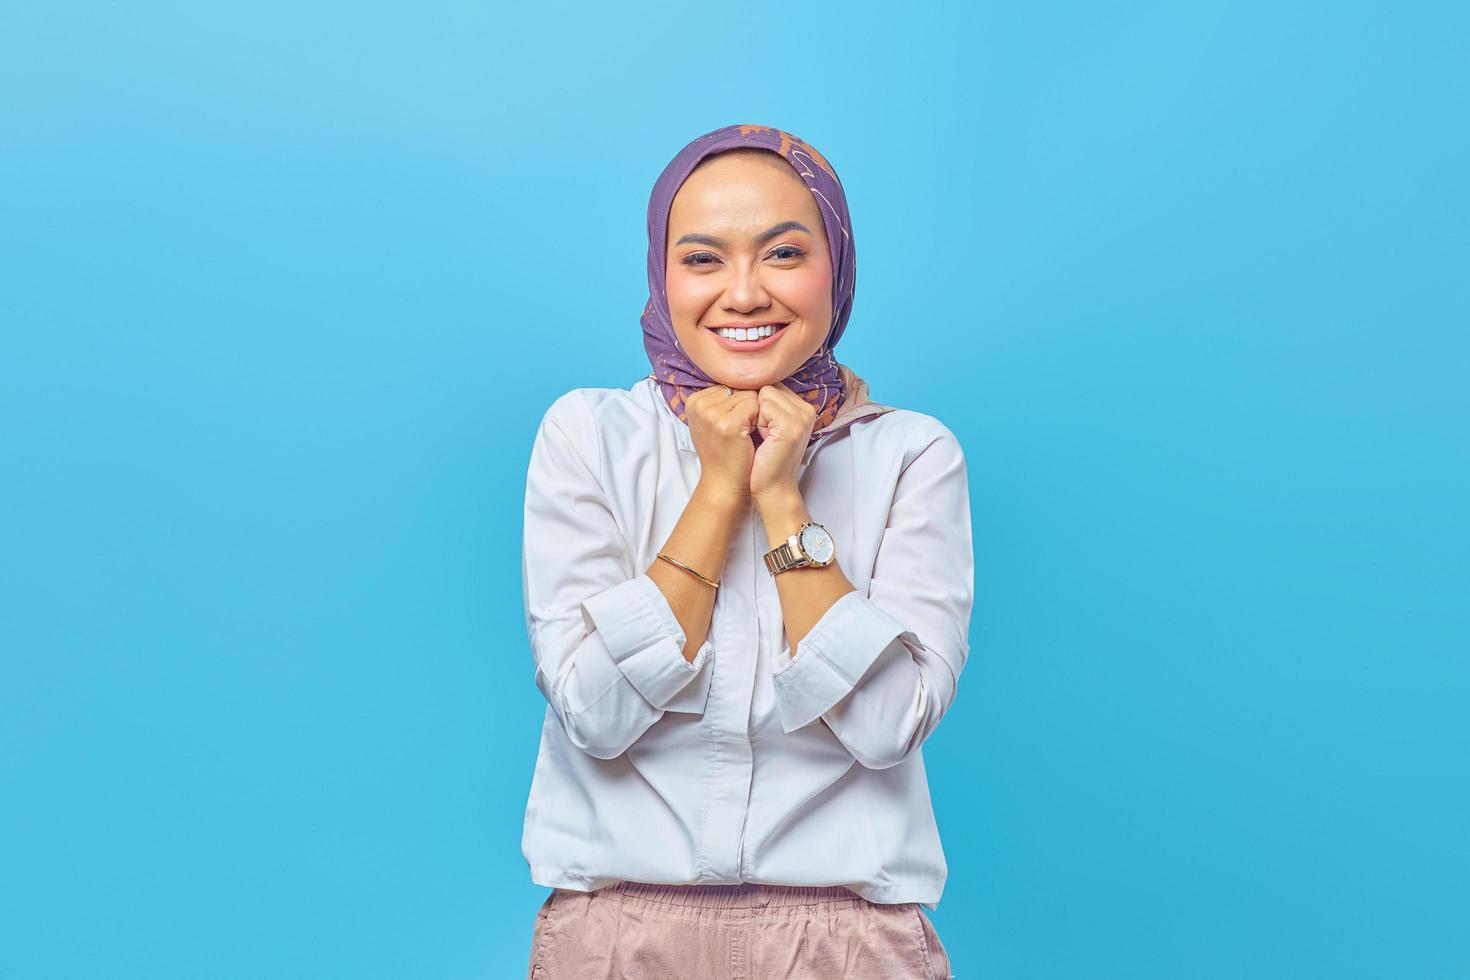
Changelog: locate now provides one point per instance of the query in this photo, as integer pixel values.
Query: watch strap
(782, 557)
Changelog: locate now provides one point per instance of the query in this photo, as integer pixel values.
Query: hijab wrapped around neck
(840, 396)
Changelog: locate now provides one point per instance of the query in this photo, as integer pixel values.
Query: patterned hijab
(820, 380)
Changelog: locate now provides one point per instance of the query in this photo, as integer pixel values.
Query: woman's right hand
(720, 424)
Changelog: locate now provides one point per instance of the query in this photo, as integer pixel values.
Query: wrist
(780, 498)
(783, 516)
(719, 497)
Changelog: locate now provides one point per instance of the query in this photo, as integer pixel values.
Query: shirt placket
(728, 710)
(737, 626)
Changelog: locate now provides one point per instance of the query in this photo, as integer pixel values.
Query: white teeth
(741, 333)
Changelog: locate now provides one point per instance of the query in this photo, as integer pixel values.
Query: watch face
(817, 543)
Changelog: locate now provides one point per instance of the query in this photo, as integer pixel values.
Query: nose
(746, 292)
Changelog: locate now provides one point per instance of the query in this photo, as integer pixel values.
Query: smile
(759, 343)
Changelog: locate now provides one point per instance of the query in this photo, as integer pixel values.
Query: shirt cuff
(832, 658)
(645, 640)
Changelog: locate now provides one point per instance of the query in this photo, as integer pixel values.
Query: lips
(744, 346)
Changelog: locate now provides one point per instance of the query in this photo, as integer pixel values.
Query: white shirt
(745, 764)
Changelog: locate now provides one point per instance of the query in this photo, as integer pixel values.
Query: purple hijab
(819, 379)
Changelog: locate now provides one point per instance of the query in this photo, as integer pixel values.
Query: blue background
(285, 288)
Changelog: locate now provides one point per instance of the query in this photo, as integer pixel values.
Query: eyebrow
(760, 239)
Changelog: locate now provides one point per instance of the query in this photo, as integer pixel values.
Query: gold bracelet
(675, 561)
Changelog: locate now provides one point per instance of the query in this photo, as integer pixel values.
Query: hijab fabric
(820, 380)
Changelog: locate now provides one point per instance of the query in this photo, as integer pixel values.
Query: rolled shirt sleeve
(882, 668)
(834, 657)
(644, 638)
(607, 647)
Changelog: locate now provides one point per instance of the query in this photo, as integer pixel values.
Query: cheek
(687, 295)
(810, 293)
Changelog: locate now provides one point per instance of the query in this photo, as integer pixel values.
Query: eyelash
(799, 252)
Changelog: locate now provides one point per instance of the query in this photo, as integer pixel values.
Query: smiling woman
(743, 256)
(730, 781)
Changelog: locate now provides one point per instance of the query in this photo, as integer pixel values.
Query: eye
(789, 252)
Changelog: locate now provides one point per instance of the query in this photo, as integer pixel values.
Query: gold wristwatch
(810, 547)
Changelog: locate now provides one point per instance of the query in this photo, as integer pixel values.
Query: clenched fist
(720, 424)
(784, 420)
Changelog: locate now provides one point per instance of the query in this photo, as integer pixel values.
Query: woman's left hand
(785, 423)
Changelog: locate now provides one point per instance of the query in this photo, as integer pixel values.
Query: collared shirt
(745, 764)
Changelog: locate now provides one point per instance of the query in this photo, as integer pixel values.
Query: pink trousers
(635, 931)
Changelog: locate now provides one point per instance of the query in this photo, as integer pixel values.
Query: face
(746, 246)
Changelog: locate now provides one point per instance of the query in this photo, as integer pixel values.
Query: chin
(747, 372)
(749, 376)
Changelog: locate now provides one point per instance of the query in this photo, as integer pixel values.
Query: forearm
(806, 593)
(701, 540)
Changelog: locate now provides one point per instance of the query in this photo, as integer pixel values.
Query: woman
(748, 590)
